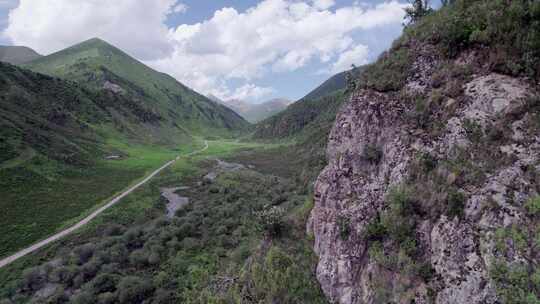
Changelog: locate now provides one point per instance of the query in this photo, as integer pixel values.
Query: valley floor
(94, 214)
(214, 249)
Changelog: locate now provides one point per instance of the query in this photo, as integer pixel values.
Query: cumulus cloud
(250, 92)
(137, 26)
(180, 8)
(324, 4)
(273, 36)
(357, 55)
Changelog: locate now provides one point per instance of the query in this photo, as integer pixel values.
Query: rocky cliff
(431, 191)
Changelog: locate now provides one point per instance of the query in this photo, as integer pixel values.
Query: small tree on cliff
(416, 11)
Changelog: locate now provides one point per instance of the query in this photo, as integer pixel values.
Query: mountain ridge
(100, 65)
(17, 54)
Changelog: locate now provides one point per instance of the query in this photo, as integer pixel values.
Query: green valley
(411, 176)
(221, 230)
(68, 145)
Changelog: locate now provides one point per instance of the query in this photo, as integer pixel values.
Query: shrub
(344, 226)
(401, 202)
(514, 283)
(83, 297)
(455, 204)
(377, 253)
(186, 230)
(474, 130)
(375, 230)
(372, 154)
(426, 271)
(133, 289)
(132, 237)
(139, 258)
(164, 296)
(271, 220)
(104, 283)
(428, 162)
(190, 243)
(154, 258)
(107, 298)
(113, 230)
(32, 278)
(83, 253)
(533, 206)
(117, 253)
(389, 73)
(511, 29)
(281, 277)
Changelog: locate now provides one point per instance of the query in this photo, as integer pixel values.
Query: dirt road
(86, 220)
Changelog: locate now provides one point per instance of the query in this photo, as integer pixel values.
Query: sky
(238, 49)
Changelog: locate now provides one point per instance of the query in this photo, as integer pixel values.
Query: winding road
(86, 220)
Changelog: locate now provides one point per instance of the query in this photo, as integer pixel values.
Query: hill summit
(101, 65)
(17, 54)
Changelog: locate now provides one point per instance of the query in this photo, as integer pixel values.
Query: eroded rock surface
(352, 190)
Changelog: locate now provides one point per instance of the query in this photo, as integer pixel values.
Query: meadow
(211, 238)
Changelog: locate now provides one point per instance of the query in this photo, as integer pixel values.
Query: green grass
(22, 158)
(205, 252)
(42, 196)
(94, 62)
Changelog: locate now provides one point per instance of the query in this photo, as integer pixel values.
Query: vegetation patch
(213, 251)
(508, 31)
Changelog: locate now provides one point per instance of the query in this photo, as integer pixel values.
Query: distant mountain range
(17, 54)
(312, 116)
(255, 112)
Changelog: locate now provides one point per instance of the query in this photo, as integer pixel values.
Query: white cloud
(324, 4)
(250, 92)
(134, 25)
(180, 8)
(357, 55)
(275, 35)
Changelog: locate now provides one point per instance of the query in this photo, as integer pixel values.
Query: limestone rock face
(372, 149)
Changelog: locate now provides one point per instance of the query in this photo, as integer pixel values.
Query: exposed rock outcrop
(487, 129)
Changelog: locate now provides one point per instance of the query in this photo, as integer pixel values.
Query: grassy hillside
(17, 54)
(102, 66)
(307, 123)
(334, 83)
(55, 137)
(311, 115)
(301, 118)
(67, 145)
(63, 120)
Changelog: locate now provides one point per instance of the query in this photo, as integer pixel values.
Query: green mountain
(311, 116)
(100, 65)
(307, 123)
(17, 54)
(64, 120)
(55, 138)
(334, 83)
(97, 122)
